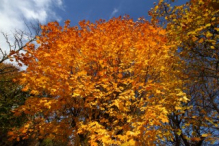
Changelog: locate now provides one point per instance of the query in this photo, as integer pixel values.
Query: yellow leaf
(205, 135)
(129, 143)
(25, 89)
(195, 139)
(120, 75)
(207, 25)
(10, 133)
(201, 40)
(212, 47)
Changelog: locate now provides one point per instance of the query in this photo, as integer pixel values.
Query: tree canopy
(112, 82)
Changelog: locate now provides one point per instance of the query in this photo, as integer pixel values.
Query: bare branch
(20, 40)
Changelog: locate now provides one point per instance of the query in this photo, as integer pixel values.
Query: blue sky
(15, 13)
(92, 10)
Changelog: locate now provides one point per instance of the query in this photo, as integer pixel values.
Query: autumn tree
(193, 27)
(101, 83)
(11, 97)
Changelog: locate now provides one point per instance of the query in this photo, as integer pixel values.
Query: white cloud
(115, 10)
(60, 3)
(15, 13)
(31, 14)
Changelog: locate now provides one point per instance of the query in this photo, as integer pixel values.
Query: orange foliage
(113, 82)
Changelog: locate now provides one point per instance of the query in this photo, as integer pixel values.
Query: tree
(111, 82)
(193, 27)
(11, 97)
